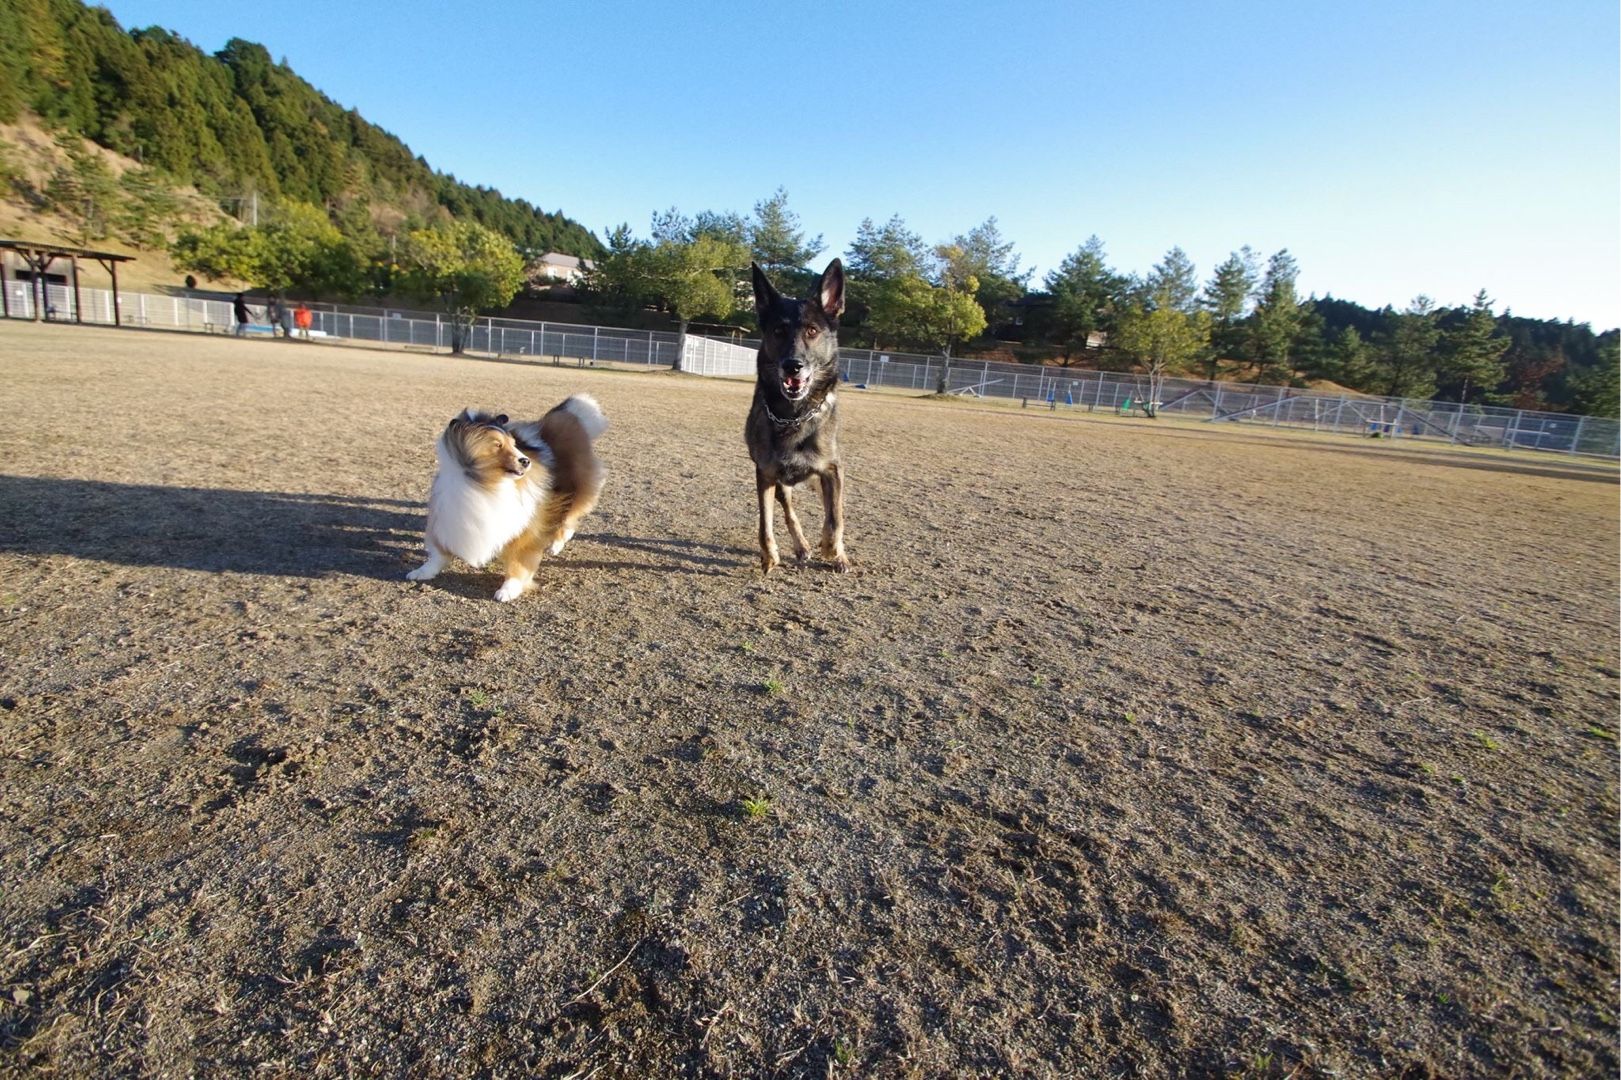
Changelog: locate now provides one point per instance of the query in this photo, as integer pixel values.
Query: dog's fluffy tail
(580, 414)
(585, 409)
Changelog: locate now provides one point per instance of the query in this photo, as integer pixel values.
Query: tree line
(239, 127)
(1246, 320)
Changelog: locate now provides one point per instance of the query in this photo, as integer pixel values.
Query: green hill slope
(236, 125)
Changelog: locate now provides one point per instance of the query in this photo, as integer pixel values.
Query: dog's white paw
(557, 545)
(509, 591)
(425, 572)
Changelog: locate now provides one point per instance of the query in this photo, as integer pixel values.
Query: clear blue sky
(1394, 148)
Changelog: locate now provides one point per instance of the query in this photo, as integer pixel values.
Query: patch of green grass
(1037, 680)
(755, 808)
(1486, 740)
(479, 699)
(842, 1053)
(772, 685)
(746, 646)
(1600, 732)
(1426, 768)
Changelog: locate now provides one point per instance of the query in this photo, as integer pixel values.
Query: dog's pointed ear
(501, 421)
(829, 292)
(765, 297)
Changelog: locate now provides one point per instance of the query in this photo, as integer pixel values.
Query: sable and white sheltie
(513, 489)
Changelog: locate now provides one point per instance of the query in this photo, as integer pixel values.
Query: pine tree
(1227, 298)
(1086, 296)
(778, 243)
(1276, 321)
(1408, 357)
(1472, 354)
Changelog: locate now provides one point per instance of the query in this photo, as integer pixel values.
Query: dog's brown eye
(810, 333)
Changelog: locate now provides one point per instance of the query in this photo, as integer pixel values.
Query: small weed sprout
(479, 699)
(1486, 740)
(1037, 680)
(756, 808)
(772, 685)
(842, 1052)
(746, 646)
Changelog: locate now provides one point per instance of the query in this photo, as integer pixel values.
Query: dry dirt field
(1125, 751)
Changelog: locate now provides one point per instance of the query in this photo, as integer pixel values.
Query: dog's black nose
(793, 365)
(523, 463)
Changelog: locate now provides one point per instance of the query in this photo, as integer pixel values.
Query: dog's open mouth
(795, 386)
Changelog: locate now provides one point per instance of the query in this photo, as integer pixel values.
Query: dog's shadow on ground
(251, 532)
(674, 554)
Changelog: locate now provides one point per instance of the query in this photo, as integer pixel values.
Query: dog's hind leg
(551, 526)
(785, 496)
(580, 503)
(833, 518)
(768, 542)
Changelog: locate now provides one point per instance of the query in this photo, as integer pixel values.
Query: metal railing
(1040, 387)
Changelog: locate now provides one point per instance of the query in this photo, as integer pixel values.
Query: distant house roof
(565, 262)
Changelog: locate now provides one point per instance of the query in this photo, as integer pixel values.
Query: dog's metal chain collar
(792, 421)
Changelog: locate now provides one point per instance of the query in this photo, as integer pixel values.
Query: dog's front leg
(785, 496)
(768, 542)
(833, 518)
(430, 567)
(521, 558)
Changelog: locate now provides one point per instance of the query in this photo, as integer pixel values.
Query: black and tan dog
(793, 426)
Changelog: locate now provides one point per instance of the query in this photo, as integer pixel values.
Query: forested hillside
(238, 126)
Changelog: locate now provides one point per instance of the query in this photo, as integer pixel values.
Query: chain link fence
(1272, 406)
(1034, 387)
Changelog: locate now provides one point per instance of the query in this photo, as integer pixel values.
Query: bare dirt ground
(1126, 750)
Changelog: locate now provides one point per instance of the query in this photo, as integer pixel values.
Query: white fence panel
(706, 356)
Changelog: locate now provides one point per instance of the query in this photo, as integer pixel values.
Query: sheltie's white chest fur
(474, 522)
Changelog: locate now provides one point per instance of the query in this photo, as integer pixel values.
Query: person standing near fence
(242, 314)
(303, 320)
(273, 315)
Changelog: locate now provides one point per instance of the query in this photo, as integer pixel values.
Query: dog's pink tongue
(791, 385)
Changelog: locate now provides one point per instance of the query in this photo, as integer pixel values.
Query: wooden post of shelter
(111, 266)
(78, 308)
(42, 266)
